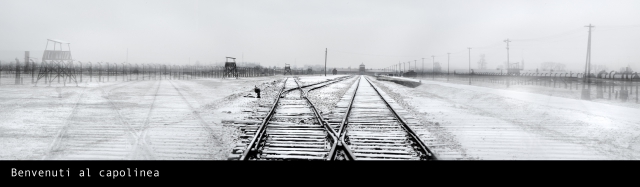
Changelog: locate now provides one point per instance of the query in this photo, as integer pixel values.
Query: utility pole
(587, 69)
(415, 67)
(18, 72)
(508, 64)
(127, 55)
(422, 67)
(433, 72)
(469, 65)
(448, 58)
(507, 41)
(325, 62)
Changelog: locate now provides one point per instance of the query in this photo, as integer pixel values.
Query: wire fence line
(21, 73)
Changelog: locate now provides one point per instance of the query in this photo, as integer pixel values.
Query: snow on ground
(400, 78)
(184, 119)
(325, 99)
(254, 112)
(151, 119)
(572, 90)
(503, 124)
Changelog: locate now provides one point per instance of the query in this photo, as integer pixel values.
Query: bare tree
(559, 67)
(626, 70)
(482, 64)
(437, 67)
(598, 68)
(548, 66)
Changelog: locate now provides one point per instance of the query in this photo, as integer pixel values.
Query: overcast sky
(376, 33)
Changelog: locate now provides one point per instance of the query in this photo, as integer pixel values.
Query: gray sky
(377, 33)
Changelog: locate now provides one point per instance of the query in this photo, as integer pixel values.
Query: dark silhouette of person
(257, 90)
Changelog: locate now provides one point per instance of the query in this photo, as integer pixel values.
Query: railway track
(292, 129)
(371, 129)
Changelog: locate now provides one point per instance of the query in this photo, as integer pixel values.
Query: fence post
(17, 71)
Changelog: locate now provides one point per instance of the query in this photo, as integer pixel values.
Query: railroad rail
(293, 129)
(372, 130)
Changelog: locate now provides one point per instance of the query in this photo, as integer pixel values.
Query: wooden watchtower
(230, 68)
(57, 64)
(287, 69)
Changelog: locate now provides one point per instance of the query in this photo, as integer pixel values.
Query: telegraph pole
(325, 62)
(448, 58)
(508, 64)
(469, 65)
(507, 41)
(433, 72)
(587, 68)
(422, 67)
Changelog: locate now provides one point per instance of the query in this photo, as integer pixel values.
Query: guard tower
(362, 69)
(514, 68)
(287, 69)
(334, 71)
(57, 64)
(230, 69)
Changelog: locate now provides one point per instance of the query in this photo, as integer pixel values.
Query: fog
(376, 33)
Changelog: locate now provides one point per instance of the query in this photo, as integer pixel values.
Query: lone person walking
(257, 90)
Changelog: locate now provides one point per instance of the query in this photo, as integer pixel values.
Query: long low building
(400, 80)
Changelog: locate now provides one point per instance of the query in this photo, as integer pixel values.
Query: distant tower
(57, 64)
(287, 69)
(230, 69)
(362, 69)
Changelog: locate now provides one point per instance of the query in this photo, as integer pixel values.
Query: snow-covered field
(152, 119)
(193, 119)
(492, 123)
(572, 91)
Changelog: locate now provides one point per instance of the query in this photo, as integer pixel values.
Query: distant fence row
(11, 73)
(610, 75)
(605, 88)
(633, 76)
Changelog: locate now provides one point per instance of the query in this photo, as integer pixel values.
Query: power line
(374, 55)
(574, 31)
(618, 27)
